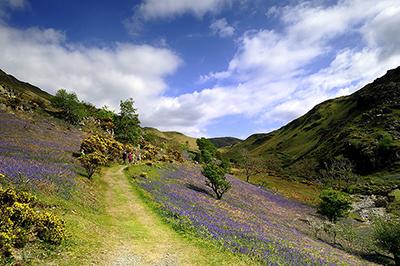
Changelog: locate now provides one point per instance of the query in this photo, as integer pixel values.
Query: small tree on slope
(216, 179)
(334, 204)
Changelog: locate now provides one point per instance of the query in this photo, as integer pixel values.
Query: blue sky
(205, 68)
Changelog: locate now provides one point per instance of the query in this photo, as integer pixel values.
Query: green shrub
(216, 179)
(387, 237)
(50, 228)
(334, 204)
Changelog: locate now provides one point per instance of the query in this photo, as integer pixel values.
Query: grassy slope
(173, 136)
(352, 126)
(224, 141)
(298, 191)
(28, 90)
(114, 225)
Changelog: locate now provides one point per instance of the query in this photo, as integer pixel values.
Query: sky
(205, 68)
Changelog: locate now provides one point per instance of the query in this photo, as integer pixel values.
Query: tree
(387, 237)
(216, 179)
(252, 166)
(72, 109)
(340, 169)
(127, 124)
(207, 150)
(334, 204)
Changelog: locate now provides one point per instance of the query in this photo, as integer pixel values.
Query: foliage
(72, 109)
(216, 179)
(387, 236)
(21, 222)
(334, 204)
(338, 171)
(127, 124)
(240, 223)
(207, 150)
(98, 150)
(107, 146)
(92, 161)
(251, 165)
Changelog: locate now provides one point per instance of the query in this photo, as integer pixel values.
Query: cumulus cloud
(99, 75)
(152, 9)
(274, 76)
(222, 28)
(166, 9)
(310, 34)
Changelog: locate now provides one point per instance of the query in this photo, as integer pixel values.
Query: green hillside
(224, 141)
(363, 127)
(10, 83)
(172, 136)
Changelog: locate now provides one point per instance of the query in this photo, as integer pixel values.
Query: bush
(387, 237)
(334, 204)
(216, 179)
(92, 161)
(21, 222)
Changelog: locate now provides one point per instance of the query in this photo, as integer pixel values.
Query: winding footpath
(143, 238)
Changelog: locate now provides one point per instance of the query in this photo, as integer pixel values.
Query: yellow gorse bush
(21, 221)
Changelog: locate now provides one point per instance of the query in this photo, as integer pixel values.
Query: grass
(110, 218)
(305, 193)
(208, 252)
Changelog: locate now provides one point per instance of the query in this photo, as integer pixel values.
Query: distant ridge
(221, 142)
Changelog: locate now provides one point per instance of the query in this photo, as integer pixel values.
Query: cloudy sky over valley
(205, 68)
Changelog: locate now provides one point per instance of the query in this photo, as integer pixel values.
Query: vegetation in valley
(68, 200)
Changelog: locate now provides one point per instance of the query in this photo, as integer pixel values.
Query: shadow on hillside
(378, 258)
(198, 189)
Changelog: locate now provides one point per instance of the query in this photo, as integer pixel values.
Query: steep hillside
(17, 87)
(363, 127)
(224, 141)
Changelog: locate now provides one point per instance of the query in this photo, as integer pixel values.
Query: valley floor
(140, 237)
(131, 233)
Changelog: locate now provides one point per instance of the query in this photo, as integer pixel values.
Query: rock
(3, 107)
(370, 214)
(381, 202)
(370, 207)
(363, 202)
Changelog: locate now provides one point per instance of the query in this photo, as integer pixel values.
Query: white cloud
(274, 76)
(102, 76)
(167, 9)
(310, 33)
(153, 9)
(222, 28)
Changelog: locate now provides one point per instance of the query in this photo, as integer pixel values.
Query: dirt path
(139, 236)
